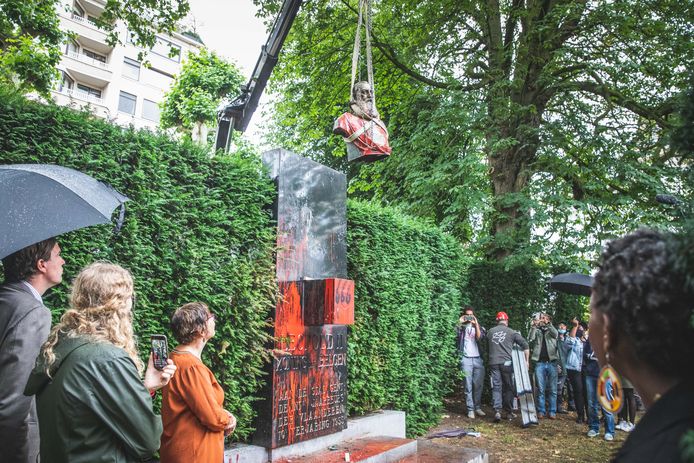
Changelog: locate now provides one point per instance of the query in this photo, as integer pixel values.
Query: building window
(167, 49)
(67, 83)
(95, 92)
(150, 110)
(77, 10)
(72, 47)
(95, 56)
(126, 103)
(131, 68)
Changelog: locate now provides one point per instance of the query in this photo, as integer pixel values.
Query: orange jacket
(192, 413)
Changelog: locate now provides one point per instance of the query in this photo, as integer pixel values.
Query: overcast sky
(230, 28)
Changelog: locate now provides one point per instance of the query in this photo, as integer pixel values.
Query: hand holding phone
(160, 351)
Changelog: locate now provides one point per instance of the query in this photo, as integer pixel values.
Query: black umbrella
(572, 283)
(39, 201)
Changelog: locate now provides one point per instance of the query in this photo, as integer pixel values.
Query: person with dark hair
(543, 337)
(592, 371)
(562, 351)
(501, 341)
(574, 363)
(24, 326)
(470, 333)
(642, 305)
(195, 421)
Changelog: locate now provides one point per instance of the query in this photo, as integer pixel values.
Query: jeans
(474, 381)
(561, 380)
(593, 404)
(502, 380)
(546, 375)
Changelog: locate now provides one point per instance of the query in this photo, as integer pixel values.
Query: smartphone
(160, 351)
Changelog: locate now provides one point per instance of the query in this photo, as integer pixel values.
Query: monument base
(374, 438)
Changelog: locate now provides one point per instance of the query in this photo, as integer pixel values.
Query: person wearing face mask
(561, 367)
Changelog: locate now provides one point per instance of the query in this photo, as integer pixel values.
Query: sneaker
(592, 433)
(497, 417)
(510, 416)
(630, 427)
(479, 412)
(608, 436)
(471, 414)
(622, 426)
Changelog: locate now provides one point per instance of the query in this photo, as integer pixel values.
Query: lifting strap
(364, 17)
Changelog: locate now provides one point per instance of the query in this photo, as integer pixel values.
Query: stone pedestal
(308, 381)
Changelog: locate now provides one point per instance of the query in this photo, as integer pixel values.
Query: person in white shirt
(469, 334)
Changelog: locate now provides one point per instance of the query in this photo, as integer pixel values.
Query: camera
(468, 318)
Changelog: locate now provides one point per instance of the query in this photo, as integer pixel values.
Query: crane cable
(365, 17)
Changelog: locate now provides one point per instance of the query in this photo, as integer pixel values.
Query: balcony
(86, 59)
(82, 20)
(81, 95)
(87, 70)
(84, 28)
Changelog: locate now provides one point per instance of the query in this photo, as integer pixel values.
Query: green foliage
(29, 38)
(521, 289)
(196, 228)
(204, 80)
(535, 128)
(144, 19)
(402, 351)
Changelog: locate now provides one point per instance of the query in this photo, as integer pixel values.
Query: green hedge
(402, 351)
(197, 228)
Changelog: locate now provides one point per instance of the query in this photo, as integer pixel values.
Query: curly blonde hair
(100, 309)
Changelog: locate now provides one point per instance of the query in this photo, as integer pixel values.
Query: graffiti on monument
(309, 375)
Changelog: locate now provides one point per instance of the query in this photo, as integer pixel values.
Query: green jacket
(96, 408)
(535, 337)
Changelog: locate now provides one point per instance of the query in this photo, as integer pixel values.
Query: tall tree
(191, 103)
(503, 113)
(30, 36)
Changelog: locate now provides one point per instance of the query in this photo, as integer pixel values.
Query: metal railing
(83, 20)
(86, 59)
(81, 95)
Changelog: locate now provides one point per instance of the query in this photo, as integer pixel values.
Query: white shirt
(470, 348)
(33, 291)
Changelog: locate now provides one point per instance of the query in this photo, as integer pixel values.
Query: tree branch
(613, 96)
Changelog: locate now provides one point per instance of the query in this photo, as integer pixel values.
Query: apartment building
(110, 81)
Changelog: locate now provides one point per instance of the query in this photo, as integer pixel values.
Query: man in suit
(24, 326)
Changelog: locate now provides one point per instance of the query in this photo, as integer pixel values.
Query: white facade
(110, 81)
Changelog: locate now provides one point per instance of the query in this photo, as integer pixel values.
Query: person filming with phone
(195, 421)
(469, 334)
(92, 403)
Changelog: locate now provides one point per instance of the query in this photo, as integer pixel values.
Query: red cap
(501, 316)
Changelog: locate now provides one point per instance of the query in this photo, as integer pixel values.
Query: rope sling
(365, 135)
(365, 17)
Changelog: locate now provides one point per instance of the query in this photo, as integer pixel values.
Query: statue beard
(363, 109)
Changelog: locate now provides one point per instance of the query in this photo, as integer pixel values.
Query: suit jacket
(24, 326)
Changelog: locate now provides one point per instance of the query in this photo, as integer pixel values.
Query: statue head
(362, 103)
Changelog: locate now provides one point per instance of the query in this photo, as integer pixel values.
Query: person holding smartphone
(92, 403)
(469, 335)
(195, 421)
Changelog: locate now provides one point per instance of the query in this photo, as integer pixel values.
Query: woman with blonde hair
(92, 403)
(195, 421)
